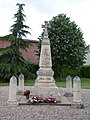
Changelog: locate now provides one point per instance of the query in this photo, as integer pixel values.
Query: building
(30, 54)
(87, 60)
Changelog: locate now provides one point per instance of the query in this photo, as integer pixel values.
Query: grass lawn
(85, 83)
(29, 83)
(4, 84)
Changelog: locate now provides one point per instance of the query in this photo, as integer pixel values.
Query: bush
(8, 70)
(85, 71)
(32, 67)
(68, 71)
(71, 72)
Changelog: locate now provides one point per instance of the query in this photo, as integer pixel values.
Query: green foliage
(85, 71)
(32, 68)
(18, 29)
(67, 71)
(67, 44)
(8, 70)
(72, 72)
(26, 68)
(12, 61)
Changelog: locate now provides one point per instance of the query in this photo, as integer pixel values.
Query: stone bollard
(77, 90)
(21, 84)
(12, 91)
(68, 86)
(77, 102)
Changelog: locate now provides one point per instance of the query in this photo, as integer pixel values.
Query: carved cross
(46, 25)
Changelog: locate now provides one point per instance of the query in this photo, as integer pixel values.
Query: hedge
(85, 71)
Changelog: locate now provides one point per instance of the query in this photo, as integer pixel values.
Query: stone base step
(55, 104)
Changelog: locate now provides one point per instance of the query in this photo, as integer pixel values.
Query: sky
(38, 11)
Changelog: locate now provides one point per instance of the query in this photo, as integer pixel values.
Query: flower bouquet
(35, 99)
(26, 93)
(50, 99)
(40, 99)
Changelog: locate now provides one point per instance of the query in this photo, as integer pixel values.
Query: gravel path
(47, 112)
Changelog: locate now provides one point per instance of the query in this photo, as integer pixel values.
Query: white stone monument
(12, 91)
(45, 72)
(45, 83)
(77, 90)
(68, 86)
(21, 84)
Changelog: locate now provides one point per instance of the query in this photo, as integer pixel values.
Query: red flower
(50, 99)
(26, 92)
(40, 99)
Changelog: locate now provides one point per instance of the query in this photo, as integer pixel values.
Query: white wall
(88, 56)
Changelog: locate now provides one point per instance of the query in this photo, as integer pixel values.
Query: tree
(67, 44)
(12, 61)
(17, 29)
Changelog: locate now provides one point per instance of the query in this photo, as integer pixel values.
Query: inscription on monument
(46, 56)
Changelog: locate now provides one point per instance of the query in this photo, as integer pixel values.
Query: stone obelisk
(45, 72)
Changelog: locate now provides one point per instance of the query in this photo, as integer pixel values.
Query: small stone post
(21, 83)
(77, 90)
(68, 86)
(12, 91)
(77, 102)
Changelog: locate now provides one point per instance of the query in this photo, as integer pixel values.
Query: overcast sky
(38, 11)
